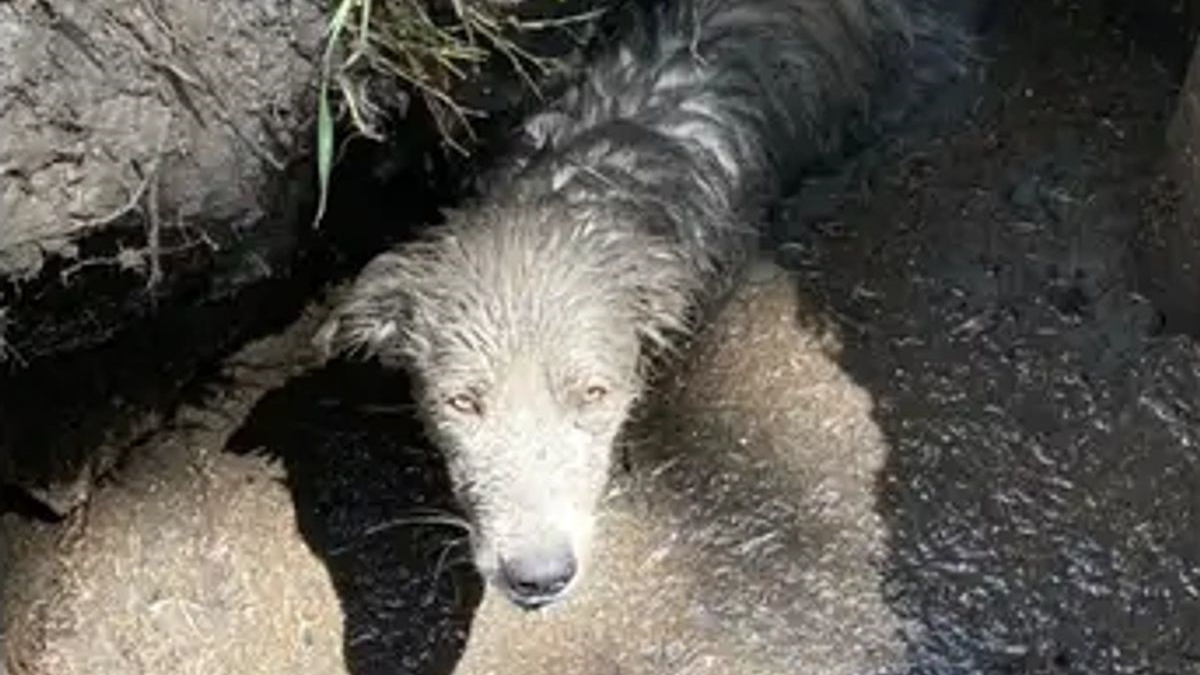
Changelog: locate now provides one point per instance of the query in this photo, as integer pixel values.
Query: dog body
(528, 319)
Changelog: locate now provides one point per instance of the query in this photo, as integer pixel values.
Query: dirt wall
(152, 154)
(169, 115)
(156, 198)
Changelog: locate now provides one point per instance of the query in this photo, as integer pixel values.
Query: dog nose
(536, 580)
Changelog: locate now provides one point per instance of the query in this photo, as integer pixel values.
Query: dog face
(524, 332)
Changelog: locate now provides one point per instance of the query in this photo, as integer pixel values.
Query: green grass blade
(324, 152)
(337, 23)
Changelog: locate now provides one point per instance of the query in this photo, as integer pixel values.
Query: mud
(154, 163)
(175, 129)
(1041, 424)
(957, 438)
(187, 562)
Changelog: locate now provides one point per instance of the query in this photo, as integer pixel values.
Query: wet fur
(620, 208)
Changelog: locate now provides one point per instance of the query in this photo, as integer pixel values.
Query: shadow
(1040, 487)
(360, 473)
(104, 360)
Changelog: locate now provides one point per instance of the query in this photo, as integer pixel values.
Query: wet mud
(1040, 484)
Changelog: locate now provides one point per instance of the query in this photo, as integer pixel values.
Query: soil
(957, 437)
(154, 164)
(188, 562)
(156, 200)
(173, 128)
(1039, 415)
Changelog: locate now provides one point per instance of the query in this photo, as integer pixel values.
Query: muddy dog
(530, 318)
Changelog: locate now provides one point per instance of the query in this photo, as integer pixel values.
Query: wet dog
(529, 319)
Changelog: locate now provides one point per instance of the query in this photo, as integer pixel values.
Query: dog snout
(537, 579)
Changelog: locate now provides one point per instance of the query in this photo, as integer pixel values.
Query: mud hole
(957, 435)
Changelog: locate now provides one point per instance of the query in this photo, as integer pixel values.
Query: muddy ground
(1040, 418)
(957, 438)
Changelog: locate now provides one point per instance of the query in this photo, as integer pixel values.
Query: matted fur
(528, 317)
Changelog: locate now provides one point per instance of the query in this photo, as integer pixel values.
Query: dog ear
(661, 295)
(371, 318)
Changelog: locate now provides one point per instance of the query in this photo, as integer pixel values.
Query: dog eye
(465, 404)
(594, 393)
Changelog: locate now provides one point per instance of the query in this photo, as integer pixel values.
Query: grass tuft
(401, 40)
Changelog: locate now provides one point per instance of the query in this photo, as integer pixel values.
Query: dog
(532, 318)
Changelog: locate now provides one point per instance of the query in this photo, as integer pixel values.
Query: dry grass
(402, 40)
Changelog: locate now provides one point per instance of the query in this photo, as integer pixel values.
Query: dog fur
(529, 318)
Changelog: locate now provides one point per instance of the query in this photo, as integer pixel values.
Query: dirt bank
(154, 161)
(176, 129)
(156, 202)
